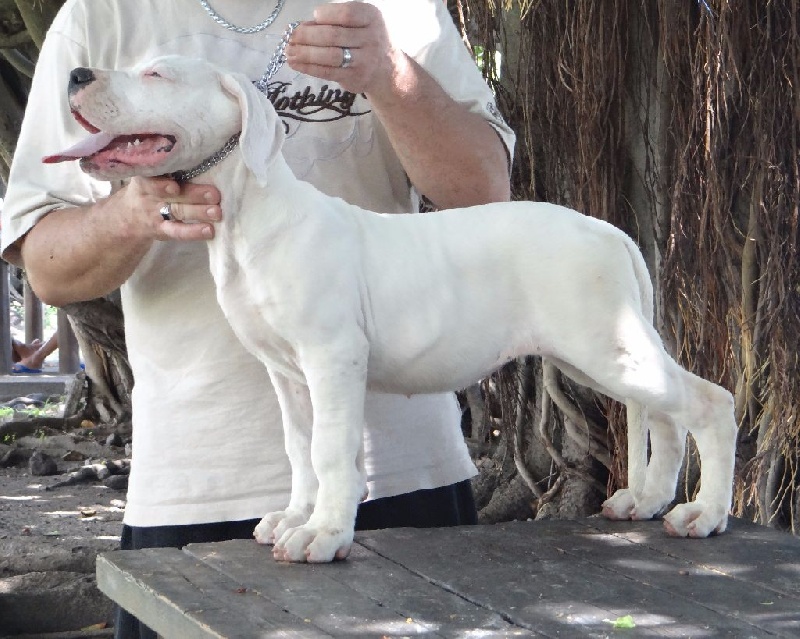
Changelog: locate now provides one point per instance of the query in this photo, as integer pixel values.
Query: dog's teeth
(137, 142)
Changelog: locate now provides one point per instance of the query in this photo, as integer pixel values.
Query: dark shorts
(438, 507)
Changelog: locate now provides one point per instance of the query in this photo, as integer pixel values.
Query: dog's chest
(246, 309)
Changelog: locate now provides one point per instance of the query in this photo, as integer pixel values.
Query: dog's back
(433, 283)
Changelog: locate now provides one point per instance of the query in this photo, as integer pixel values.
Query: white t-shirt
(208, 443)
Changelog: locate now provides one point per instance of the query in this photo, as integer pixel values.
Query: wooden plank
(538, 579)
(365, 596)
(720, 574)
(178, 596)
(568, 577)
(524, 576)
(746, 551)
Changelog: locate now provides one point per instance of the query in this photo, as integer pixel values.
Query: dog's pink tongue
(91, 145)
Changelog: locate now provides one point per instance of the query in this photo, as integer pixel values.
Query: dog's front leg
(297, 415)
(337, 385)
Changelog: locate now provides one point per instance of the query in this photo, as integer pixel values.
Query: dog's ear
(262, 130)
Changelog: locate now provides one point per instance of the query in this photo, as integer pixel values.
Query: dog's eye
(152, 74)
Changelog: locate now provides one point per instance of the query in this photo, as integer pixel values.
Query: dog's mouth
(105, 150)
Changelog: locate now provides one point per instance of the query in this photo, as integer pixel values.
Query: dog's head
(167, 115)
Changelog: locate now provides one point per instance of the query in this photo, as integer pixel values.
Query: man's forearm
(452, 156)
(74, 254)
(80, 253)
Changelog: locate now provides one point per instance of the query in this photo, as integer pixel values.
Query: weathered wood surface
(535, 579)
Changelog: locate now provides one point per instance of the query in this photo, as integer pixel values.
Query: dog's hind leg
(709, 413)
(667, 447)
(640, 370)
(297, 416)
(622, 504)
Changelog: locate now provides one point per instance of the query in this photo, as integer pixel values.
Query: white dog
(405, 303)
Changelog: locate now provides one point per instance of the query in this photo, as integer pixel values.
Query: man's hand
(194, 209)
(316, 47)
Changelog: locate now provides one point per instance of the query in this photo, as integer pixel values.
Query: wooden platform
(12, 386)
(536, 579)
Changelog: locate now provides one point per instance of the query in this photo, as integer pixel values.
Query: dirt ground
(34, 507)
(87, 514)
(50, 538)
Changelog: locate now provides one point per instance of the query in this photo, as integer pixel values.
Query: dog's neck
(209, 163)
(284, 196)
(254, 214)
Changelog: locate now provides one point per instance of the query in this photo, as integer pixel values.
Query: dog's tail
(642, 274)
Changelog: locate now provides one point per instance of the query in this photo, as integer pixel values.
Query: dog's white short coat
(334, 299)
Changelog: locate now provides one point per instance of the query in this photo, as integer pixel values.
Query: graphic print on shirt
(305, 106)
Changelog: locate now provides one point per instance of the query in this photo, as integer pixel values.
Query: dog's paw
(274, 525)
(313, 544)
(619, 506)
(649, 506)
(696, 519)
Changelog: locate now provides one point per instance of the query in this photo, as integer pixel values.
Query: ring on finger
(347, 58)
(166, 212)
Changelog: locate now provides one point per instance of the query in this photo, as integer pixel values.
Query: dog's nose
(79, 78)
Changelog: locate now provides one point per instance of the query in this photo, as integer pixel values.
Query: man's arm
(80, 253)
(453, 156)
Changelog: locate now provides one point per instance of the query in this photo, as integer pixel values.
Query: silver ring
(347, 57)
(166, 212)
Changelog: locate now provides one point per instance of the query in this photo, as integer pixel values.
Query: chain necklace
(232, 27)
(278, 58)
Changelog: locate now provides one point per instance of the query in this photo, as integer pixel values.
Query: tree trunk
(99, 328)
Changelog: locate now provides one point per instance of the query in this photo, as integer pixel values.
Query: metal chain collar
(232, 27)
(278, 58)
(208, 163)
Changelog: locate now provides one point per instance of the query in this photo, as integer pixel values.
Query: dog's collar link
(232, 27)
(208, 163)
